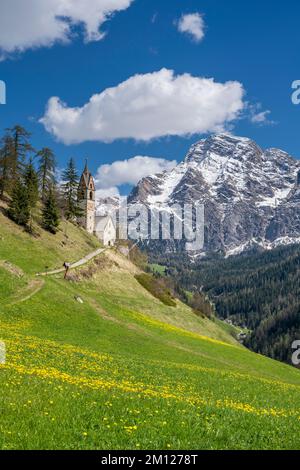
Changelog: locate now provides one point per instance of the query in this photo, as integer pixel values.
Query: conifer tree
(46, 171)
(6, 151)
(32, 189)
(20, 148)
(50, 213)
(70, 191)
(19, 210)
(32, 184)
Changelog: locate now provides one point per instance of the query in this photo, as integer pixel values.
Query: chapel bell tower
(86, 199)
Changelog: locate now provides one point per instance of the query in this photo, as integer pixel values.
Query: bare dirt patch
(12, 269)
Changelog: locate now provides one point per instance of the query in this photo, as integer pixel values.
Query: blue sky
(256, 44)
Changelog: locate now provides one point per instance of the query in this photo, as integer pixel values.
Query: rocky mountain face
(251, 196)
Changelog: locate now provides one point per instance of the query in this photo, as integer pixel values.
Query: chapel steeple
(86, 199)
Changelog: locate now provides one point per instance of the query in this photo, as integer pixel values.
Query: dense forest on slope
(258, 290)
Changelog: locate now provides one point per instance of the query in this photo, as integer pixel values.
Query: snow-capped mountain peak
(248, 193)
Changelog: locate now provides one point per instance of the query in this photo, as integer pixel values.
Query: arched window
(91, 195)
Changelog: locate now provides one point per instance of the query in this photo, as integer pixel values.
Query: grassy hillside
(119, 369)
(35, 254)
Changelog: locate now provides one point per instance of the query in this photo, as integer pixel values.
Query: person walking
(67, 267)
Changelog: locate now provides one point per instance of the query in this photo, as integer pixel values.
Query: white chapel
(102, 226)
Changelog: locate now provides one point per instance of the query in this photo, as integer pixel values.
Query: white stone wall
(88, 218)
(108, 235)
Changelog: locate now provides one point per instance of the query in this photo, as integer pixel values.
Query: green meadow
(97, 362)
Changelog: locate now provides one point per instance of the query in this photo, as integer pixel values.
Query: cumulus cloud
(148, 106)
(193, 25)
(39, 23)
(111, 176)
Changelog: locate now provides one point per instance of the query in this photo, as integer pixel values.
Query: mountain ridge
(251, 196)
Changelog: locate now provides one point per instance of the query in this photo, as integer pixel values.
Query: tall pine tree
(6, 165)
(32, 184)
(19, 210)
(70, 191)
(32, 188)
(20, 148)
(50, 213)
(46, 171)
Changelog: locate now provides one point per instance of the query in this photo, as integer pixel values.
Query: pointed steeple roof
(86, 170)
(86, 175)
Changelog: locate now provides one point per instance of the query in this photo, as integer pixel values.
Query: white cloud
(257, 116)
(261, 118)
(148, 106)
(110, 176)
(192, 24)
(26, 24)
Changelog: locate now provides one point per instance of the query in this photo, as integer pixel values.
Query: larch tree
(6, 164)
(32, 188)
(20, 148)
(46, 171)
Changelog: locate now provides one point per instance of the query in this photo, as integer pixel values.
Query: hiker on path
(67, 267)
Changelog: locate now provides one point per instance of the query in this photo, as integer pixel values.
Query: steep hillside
(97, 362)
(43, 250)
